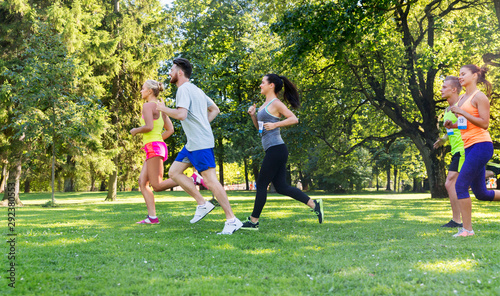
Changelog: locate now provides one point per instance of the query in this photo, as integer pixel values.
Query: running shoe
(463, 232)
(149, 221)
(249, 225)
(198, 179)
(214, 202)
(231, 227)
(202, 211)
(318, 209)
(452, 224)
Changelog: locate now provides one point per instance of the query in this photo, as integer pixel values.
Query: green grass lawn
(383, 245)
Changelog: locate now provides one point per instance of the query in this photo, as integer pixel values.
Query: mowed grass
(383, 245)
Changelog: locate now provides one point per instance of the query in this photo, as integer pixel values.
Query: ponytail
(155, 86)
(290, 94)
(481, 76)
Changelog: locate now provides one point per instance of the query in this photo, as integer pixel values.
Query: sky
(165, 2)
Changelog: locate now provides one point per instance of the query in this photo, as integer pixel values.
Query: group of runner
(196, 110)
(466, 121)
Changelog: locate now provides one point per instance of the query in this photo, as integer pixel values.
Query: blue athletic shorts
(202, 159)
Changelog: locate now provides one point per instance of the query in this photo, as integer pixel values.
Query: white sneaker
(230, 227)
(463, 232)
(202, 211)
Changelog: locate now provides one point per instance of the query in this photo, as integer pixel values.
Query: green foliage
(47, 109)
(234, 173)
(329, 26)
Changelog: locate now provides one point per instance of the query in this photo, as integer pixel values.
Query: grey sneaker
(249, 225)
(318, 209)
(202, 211)
(452, 224)
(230, 227)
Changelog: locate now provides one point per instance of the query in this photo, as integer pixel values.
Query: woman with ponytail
(273, 169)
(153, 122)
(473, 113)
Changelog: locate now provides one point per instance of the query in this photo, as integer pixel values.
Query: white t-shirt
(196, 125)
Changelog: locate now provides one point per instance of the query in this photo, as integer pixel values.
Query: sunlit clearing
(73, 223)
(448, 266)
(261, 252)
(313, 248)
(353, 271)
(224, 247)
(65, 241)
(489, 216)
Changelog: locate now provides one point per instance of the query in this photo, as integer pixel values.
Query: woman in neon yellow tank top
(153, 122)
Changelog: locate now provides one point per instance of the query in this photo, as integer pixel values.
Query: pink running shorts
(156, 149)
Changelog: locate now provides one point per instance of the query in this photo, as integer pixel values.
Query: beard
(173, 79)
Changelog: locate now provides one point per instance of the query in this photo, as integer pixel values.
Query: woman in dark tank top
(273, 169)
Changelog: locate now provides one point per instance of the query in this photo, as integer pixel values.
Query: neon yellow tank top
(457, 145)
(155, 134)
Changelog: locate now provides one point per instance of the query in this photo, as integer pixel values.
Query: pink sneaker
(149, 221)
(198, 179)
(463, 232)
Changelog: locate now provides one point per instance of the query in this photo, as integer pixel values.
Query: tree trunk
(5, 176)
(69, 185)
(255, 169)
(220, 160)
(113, 182)
(304, 180)
(57, 176)
(27, 185)
(69, 178)
(417, 185)
(245, 164)
(112, 186)
(103, 186)
(388, 171)
(92, 183)
(12, 190)
(497, 10)
(92, 177)
(396, 179)
(436, 172)
(59, 185)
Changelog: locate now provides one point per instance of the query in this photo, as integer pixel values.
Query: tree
(48, 112)
(141, 31)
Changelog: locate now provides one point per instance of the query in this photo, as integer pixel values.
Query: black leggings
(273, 169)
